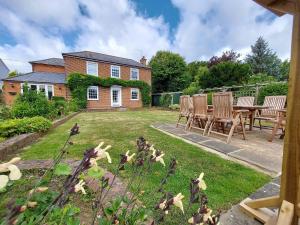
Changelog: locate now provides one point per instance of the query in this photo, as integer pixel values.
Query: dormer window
(115, 71)
(92, 68)
(134, 74)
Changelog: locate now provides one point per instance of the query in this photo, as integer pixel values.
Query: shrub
(261, 78)
(165, 100)
(9, 128)
(5, 113)
(174, 107)
(272, 89)
(72, 105)
(60, 105)
(31, 104)
(191, 90)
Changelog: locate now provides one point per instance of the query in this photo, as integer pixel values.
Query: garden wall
(14, 144)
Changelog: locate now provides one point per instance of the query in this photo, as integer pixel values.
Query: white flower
(79, 187)
(38, 189)
(162, 205)
(32, 204)
(4, 166)
(101, 152)
(160, 159)
(207, 215)
(129, 157)
(3, 181)
(177, 201)
(15, 173)
(201, 182)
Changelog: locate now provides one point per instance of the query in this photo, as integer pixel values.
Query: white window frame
(111, 69)
(47, 86)
(138, 94)
(87, 92)
(138, 73)
(87, 68)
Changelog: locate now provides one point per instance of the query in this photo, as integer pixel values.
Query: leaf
(62, 169)
(95, 172)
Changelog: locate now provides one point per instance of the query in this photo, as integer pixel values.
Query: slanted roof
(279, 7)
(50, 61)
(40, 77)
(94, 56)
(3, 70)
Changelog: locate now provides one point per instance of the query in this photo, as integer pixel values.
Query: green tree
(226, 74)
(193, 67)
(263, 60)
(260, 78)
(168, 72)
(12, 73)
(284, 70)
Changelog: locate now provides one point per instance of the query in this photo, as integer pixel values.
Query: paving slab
(221, 146)
(194, 137)
(259, 158)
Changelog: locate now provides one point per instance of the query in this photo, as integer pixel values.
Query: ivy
(78, 84)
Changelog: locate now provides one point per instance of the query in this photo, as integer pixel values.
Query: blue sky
(196, 29)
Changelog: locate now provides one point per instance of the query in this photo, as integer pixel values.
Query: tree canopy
(168, 72)
(263, 60)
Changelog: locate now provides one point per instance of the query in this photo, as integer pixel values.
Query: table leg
(251, 120)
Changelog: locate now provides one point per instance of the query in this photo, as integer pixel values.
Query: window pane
(33, 87)
(92, 68)
(134, 74)
(115, 71)
(93, 93)
(50, 91)
(115, 96)
(42, 88)
(134, 94)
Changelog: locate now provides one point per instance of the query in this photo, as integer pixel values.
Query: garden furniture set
(223, 115)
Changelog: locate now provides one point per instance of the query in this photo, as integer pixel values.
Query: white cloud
(115, 27)
(208, 27)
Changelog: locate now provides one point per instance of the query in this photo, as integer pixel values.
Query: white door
(116, 96)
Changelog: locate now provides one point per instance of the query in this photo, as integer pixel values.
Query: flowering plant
(42, 205)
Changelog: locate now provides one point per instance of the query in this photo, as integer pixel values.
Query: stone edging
(14, 144)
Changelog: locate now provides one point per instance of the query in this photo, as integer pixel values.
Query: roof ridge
(99, 53)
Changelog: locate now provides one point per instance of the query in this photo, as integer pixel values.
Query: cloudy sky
(197, 29)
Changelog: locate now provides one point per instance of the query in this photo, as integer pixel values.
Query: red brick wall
(47, 68)
(104, 102)
(10, 91)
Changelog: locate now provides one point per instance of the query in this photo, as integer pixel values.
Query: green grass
(228, 182)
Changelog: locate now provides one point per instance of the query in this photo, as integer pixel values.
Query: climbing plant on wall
(78, 84)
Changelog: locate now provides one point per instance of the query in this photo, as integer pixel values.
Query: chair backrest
(245, 101)
(222, 105)
(200, 104)
(274, 103)
(185, 104)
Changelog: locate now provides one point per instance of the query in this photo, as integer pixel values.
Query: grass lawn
(228, 182)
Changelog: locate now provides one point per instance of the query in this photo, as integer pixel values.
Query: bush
(272, 89)
(31, 104)
(261, 78)
(5, 113)
(60, 105)
(72, 105)
(12, 127)
(174, 107)
(165, 100)
(191, 90)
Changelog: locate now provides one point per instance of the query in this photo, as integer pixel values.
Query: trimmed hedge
(12, 127)
(272, 90)
(78, 84)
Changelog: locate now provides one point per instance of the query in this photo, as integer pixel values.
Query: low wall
(14, 144)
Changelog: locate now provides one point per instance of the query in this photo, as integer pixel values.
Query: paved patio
(256, 151)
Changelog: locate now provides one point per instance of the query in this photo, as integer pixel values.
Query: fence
(163, 99)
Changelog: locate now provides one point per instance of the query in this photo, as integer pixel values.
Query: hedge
(12, 127)
(272, 89)
(78, 84)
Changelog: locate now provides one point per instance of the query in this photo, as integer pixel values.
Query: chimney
(143, 60)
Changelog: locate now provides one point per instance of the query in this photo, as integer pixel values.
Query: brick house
(50, 76)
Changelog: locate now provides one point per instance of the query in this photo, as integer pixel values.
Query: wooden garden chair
(274, 103)
(199, 114)
(185, 109)
(279, 123)
(223, 114)
(245, 101)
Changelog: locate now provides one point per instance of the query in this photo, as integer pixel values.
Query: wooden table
(250, 109)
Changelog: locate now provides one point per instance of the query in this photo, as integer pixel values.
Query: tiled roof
(40, 77)
(50, 61)
(94, 56)
(3, 70)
